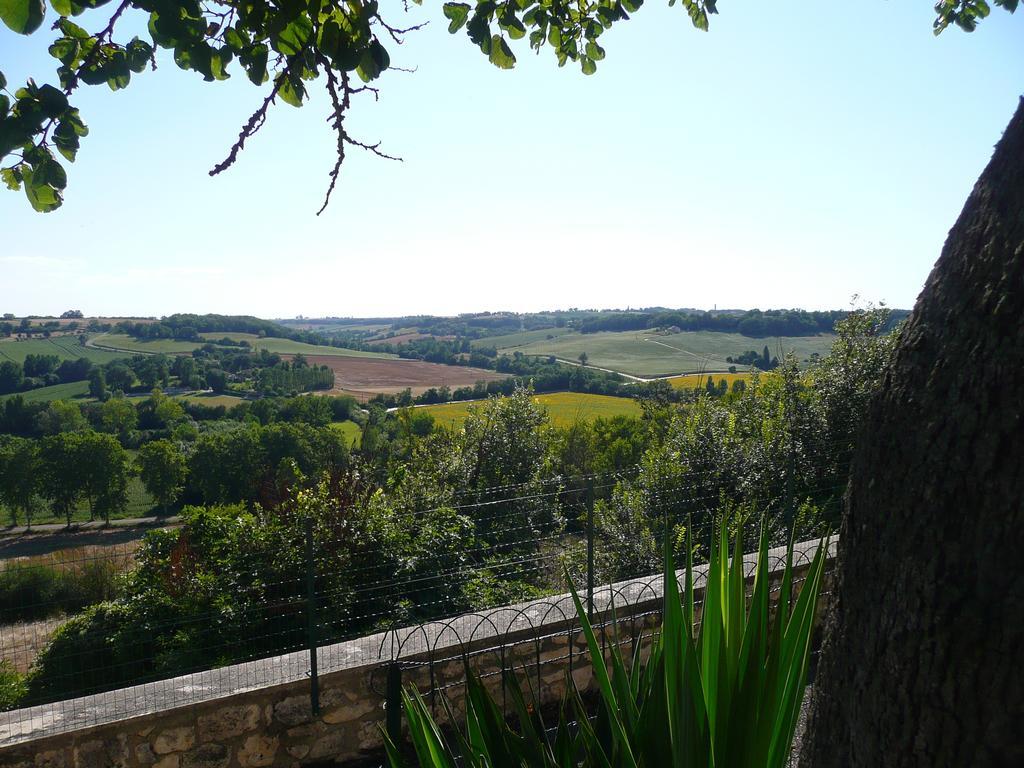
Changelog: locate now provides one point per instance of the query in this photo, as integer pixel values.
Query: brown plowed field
(365, 377)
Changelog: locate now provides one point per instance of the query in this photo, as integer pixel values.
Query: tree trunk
(923, 658)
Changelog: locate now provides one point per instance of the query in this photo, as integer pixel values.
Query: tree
(921, 657)
(162, 469)
(583, 358)
(61, 416)
(98, 385)
(216, 379)
(61, 479)
(102, 471)
(120, 377)
(287, 46)
(19, 477)
(118, 416)
(10, 377)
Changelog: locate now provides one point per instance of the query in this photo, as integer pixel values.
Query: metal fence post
(393, 703)
(314, 682)
(590, 548)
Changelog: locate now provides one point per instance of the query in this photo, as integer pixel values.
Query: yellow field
(699, 380)
(564, 409)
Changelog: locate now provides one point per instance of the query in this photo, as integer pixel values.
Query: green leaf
(139, 53)
(11, 177)
(479, 29)
(66, 140)
(3, 80)
(22, 16)
(291, 91)
(595, 51)
(257, 70)
(501, 55)
(294, 37)
(62, 7)
(41, 195)
(53, 102)
(458, 13)
(374, 61)
(632, 5)
(65, 50)
(70, 29)
(587, 65)
(5, 106)
(233, 38)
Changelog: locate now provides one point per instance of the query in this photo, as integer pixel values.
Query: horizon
(548, 310)
(771, 161)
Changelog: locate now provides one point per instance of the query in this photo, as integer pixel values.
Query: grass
(511, 340)
(70, 391)
(349, 430)
(120, 341)
(140, 504)
(564, 409)
(212, 399)
(64, 347)
(124, 343)
(650, 354)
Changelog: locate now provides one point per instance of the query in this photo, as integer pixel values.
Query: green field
(64, 347)
(651, 354)
(72, 390)
(211, 399)
(120, 341)
(351, 431)
(564, 409)
(124, 343)
(140, 504)
(512, 340)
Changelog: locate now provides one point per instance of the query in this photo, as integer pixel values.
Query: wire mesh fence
(228, 604)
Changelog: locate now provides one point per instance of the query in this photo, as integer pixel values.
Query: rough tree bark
(923, 658)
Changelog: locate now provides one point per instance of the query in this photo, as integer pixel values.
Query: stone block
(334, 745)
(207, 756)
(97, 753)
(228, 722)
(294, 710)
(51, 758)
(144, 754)
(298, 751)
(174, 740)
(168, 761)
(258, 751)
(350, 712)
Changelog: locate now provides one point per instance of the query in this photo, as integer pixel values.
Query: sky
(792, 156)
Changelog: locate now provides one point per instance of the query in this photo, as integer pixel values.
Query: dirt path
(43, 539)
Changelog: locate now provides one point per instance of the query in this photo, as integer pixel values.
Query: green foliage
(729, 696)
(162, 468)
(38, 591)
(965, 13)
(12, 686)
(19, 477)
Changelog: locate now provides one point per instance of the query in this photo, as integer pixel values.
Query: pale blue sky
(792, 156)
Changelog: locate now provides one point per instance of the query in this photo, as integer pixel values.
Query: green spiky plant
(728, 697)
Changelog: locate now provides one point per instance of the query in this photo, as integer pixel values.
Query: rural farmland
(124, 343)
(64, 347)
(563, 409)
(366, 376)
(649, 354)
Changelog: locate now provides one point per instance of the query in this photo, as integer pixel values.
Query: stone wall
(230, 718)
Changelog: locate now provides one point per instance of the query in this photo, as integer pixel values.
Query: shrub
(728, 697)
